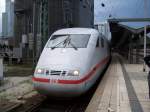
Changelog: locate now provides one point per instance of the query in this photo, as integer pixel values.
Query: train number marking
(53, 81)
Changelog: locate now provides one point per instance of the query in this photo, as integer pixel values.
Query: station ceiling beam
(116, 20)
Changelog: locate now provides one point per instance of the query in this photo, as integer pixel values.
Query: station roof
(121, 33)
(135, 30)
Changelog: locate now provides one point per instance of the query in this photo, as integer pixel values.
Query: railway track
(8, 106)
(25, 104)
(73, 105)
(38, 103)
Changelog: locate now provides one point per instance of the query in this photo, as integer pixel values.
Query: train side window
(102, 42)
(97, 43)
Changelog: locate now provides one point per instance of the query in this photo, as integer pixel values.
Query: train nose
(57, 88)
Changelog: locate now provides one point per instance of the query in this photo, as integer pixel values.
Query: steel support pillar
(145, 33)
(35, 22)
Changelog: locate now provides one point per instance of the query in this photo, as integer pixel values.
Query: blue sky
(122, 9)
(117, 8)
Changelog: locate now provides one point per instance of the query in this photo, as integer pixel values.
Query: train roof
(76, 31)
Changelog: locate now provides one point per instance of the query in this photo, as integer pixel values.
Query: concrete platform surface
(124, 88)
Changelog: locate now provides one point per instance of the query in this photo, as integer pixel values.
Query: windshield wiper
(68, 41)
(72, 45)
(64, 41)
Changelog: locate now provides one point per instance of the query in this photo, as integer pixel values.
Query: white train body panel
(67, 71)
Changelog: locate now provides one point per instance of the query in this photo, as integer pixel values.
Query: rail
(29, 105)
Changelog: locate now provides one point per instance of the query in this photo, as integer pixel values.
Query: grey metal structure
(1, 70)
(23, 19)
(4, 24)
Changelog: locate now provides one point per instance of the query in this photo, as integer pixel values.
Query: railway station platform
(124, 88)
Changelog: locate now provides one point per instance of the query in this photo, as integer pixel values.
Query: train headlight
(39, 71)
(74, 73)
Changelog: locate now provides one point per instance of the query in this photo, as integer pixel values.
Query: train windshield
(68, 41)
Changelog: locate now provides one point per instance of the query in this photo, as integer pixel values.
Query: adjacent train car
(71, 62)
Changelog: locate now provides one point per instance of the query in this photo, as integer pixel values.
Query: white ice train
(71, 62)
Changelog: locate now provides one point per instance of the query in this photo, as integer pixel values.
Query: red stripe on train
(40, 79)
(91, 73)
